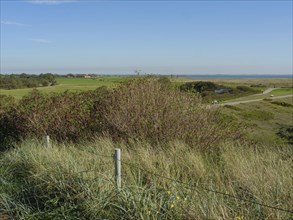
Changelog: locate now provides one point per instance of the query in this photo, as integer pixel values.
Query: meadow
(181, 158)
(71, 84)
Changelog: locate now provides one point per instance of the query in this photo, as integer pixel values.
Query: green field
(72, 84)
(82, 84)
(282, 91)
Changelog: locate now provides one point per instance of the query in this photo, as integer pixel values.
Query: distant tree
(199, 86)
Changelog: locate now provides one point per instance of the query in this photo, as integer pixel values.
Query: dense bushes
(6, 102)
(210, 91)
(149, 110)
(26, 81)
(199, 86)
(66, 116)
(146, 109)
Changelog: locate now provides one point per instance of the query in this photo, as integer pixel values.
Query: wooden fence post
(47, 141)
(117, 158)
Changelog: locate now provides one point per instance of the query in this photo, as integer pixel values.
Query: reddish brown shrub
(149, 110)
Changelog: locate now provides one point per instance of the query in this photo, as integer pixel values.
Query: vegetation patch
(77, 182)
(149, 109)
(280, 103)
(260, 115)
(283, 91)
(286, 132)
(211, 91)
(26, 81)
(200, 148)
(146, 109)
(267, 99)
(233, 107)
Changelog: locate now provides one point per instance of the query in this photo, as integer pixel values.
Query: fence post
(117, 158)
(47, 141)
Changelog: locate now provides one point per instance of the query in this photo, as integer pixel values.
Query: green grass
(259, 115)
(77, 181)
(264, 118)
(72, 84)
(282, 91)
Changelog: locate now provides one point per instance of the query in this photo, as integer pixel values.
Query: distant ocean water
(220, 76)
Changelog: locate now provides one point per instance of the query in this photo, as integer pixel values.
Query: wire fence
(197, 186)
(185, 185)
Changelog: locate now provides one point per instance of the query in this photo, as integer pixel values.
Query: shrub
(66, 116)
(63, 116)
(244, 89)
(267, 99)
(284, 104)
(200, 86)
(6, 102)
(286, 131)
(7, 123)
(146, 109)
(149, 110)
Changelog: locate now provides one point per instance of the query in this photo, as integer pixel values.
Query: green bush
(244, 89)
(267, 99)
(200, 86)
(6, 102)
(208, 93)
(27, 81)
(286, 132)
(284, 104)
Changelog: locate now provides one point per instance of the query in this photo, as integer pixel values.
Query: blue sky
(160, 37)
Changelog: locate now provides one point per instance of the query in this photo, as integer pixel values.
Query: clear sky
(160, 37)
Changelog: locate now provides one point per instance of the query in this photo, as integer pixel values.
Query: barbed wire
(196, 187)
(187, 185)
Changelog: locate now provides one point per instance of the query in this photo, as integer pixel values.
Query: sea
(223, 76)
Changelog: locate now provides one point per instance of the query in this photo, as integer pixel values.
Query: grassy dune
(77, 182)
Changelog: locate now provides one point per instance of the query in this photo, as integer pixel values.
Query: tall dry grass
(77, 181)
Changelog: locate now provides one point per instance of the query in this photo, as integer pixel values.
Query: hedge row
(146, 109)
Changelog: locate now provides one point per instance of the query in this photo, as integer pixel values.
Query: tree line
(14, 81)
